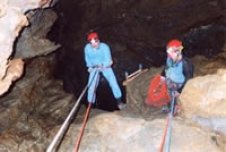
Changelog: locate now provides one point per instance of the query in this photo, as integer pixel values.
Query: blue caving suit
(174, 77)
(95, 57)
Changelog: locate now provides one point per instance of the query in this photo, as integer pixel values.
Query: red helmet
(174, 45)
(92, 35)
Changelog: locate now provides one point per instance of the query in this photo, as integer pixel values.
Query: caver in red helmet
(174, 45)
(92, 35)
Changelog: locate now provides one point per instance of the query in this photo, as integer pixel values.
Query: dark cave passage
(130, 46)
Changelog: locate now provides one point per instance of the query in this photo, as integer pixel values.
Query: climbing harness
(168, 128)
(58, 136)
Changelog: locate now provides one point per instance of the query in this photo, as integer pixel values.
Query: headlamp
(174, 49)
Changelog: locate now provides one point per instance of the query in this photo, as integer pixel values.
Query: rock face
(206, 96)
(204, 101)
(112, 132)
(36, 104)
(14, 71)
(214, 123)
(32, 41)
(17, 116)
(12, 20)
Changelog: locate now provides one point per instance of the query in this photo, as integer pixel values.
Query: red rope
(164, 136)
(83, 127)
(87, 113)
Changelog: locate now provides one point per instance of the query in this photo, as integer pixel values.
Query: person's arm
(86, 52)
(163, 73)
(87, 59)
(107, 56)
(165, 67)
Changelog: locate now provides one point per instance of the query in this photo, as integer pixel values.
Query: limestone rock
(113, 133)
(33, 41)
(205, 96)
(13, 72)
(12, 20)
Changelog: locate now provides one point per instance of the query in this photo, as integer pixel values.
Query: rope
(58, 136)
(87, 113)
(83, 128)
(164, 136)
(170, 125)
(168, 128)
(64, 126)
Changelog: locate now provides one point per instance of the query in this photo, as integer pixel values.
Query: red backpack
(157, 94)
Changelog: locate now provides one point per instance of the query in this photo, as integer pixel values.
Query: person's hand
(163, 78)
(90, 69)
(98, 67)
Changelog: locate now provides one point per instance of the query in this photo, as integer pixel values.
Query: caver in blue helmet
(98, 60)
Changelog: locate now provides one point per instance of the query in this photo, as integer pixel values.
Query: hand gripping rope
(58, 136)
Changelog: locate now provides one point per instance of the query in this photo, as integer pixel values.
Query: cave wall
(137, 32)
(12, 21)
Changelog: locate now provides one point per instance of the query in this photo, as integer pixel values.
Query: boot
(120, 104)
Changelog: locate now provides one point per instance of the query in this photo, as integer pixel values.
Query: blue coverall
(174, 78)
(95, 57)
(174, 71)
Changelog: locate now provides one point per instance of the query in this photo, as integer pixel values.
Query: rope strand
(83, 128)
(87, 111)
